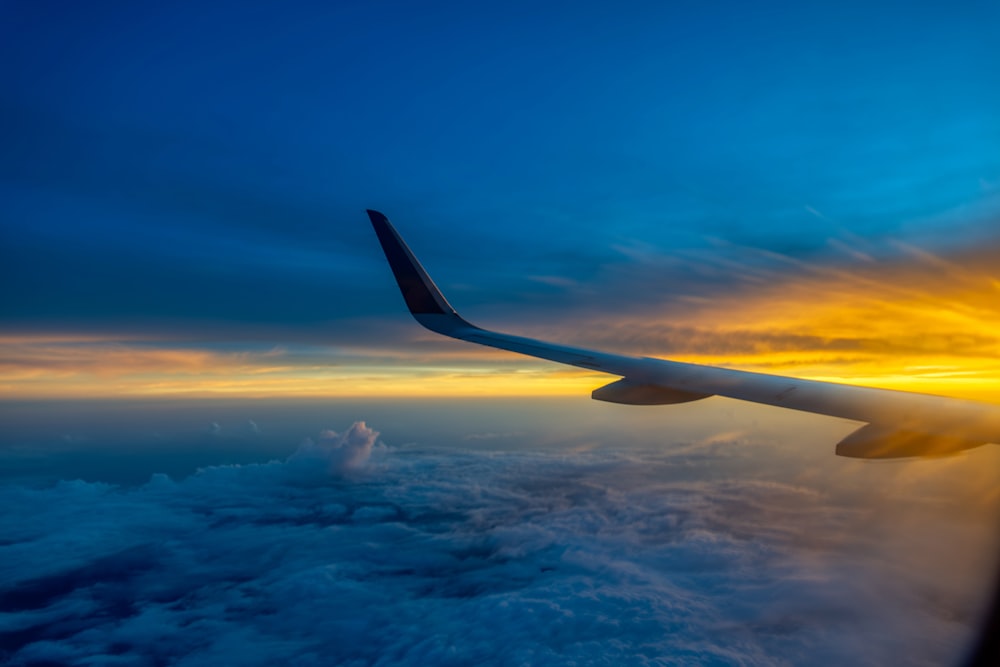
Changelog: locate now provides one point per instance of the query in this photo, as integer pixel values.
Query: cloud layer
(354, 553)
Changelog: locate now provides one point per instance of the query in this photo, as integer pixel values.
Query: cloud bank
(354, 553)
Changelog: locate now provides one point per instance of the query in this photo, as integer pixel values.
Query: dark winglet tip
(419, 292)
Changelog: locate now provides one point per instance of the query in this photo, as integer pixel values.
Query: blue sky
(203, 165)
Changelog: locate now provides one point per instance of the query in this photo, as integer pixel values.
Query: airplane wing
(897, 423)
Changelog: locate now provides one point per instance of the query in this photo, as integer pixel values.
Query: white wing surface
(897, 423)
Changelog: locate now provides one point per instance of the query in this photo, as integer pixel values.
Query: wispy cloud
(894, 315)
(876, 321)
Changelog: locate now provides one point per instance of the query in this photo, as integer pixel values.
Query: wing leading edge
(898, 424)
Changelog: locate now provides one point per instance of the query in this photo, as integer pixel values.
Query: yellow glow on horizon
(926, 324)
(334, 382)
(118, 371)
(62, 367)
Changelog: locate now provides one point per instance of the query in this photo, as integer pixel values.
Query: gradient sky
(801, 188)
(812, 189)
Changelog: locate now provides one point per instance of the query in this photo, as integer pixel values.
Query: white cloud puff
(345, 452)
(351, 553)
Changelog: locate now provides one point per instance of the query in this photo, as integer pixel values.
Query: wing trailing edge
(899, 424)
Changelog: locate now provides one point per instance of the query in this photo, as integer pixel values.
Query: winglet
(420, 293)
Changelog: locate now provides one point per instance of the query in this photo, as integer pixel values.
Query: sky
(190, 289)
(813, 190)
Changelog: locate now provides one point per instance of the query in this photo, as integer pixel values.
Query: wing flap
(877, 441)
(629, 392)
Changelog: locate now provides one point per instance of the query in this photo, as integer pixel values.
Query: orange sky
(922, 323)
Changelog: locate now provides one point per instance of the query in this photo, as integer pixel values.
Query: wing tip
(421, 295)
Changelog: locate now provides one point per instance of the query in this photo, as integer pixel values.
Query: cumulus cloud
(343, 452)
(456, 558)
